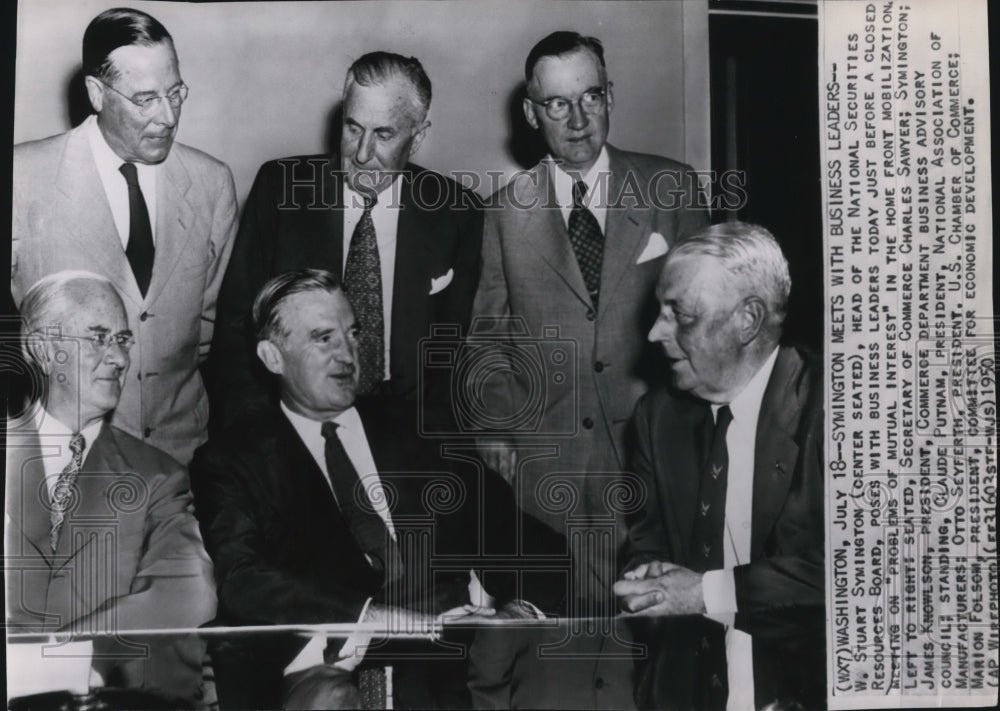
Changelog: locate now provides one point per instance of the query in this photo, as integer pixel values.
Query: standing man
(405, 239)
(80, 490)
(733, 519)
(576, 243)
(116, 196)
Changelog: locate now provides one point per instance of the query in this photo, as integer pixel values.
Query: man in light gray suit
(587, 265)
(118, 197)
(571, 252)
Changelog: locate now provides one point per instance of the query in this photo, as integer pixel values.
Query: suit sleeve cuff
(719, 590)
(347, 658)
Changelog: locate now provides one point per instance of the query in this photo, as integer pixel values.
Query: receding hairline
(602, 71)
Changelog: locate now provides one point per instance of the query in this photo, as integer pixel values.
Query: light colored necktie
(363, 286)
(62, 494)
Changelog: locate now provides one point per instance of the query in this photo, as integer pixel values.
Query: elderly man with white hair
(100, 533)
(732, 464)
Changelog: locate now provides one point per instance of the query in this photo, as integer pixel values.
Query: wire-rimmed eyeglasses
(147, 104)
(591, 101)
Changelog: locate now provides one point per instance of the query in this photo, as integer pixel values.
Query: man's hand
(677, 591)
(500, 456)
(652, 569)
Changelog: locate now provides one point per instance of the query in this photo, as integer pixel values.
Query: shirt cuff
(718, 587)
(347, 658)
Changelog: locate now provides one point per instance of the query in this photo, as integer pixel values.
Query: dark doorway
(765, 123)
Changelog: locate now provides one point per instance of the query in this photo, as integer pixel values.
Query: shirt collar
(108, 162)
(564, 182)
(48, 426)
(388, 199)
(746, 405)
(308, 428)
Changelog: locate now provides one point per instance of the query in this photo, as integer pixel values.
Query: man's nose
(577, 116)
(660, 332)
(166, 115)
(366, 149)
(116, 355)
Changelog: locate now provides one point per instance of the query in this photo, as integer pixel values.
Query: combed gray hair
(267, 322)
(376, 68)
(752, 255)
(44, 307)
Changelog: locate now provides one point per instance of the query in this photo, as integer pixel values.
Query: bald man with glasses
(117, 196)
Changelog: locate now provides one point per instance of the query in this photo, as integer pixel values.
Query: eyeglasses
(590, 101)
(102, 340)
(147, 104)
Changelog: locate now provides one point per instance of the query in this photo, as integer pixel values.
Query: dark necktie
(367, 527)
(363, 286)
(62, 494)
(707, 549)
(588, 241)
(140, 249)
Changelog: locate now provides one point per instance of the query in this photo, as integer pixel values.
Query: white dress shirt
(596, 180)
(108, 164)
(719, 586)
(351, 433)
(54, 438)
(385, 217)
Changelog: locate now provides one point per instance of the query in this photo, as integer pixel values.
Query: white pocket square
(655, 247)
(442, 282)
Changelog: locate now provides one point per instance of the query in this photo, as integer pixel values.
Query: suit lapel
(332, 233)
(625, 226)
(411, 277)
(27, 495)
(104, 463)
(174, 222)
(80, 193)
(545, 231)
(776, 448)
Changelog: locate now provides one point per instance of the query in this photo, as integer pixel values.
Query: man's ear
(270, 356)
(529, 113)
(38, 350)
(753, 316)
(95, 92)
(418, 137)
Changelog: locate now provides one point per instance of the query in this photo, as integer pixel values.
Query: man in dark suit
(100, 534)
(119, 197)
(405, 239)
(732, 466)
(320, 512)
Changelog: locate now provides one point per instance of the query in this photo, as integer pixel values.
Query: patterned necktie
(707, 552)
(140, 249)
(363, 286)
(367, 527)
(588, 241)
(62, 494)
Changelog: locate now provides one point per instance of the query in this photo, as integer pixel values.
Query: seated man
(79, 488)
(324, 512)
(732, 465)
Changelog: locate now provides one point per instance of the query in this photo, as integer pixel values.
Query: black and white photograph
(481, 354)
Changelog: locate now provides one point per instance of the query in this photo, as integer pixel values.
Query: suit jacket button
(599, 683)
(598, 366)
(591, 315)
(588, 424)
(143, 316)
(146, 432)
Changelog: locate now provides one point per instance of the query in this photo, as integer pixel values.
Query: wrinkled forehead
(395, 98)
(316, 308)
(83, 299)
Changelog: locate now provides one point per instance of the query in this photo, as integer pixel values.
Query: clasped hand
(660, 588)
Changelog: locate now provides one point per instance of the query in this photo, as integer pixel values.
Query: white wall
(265, 77)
